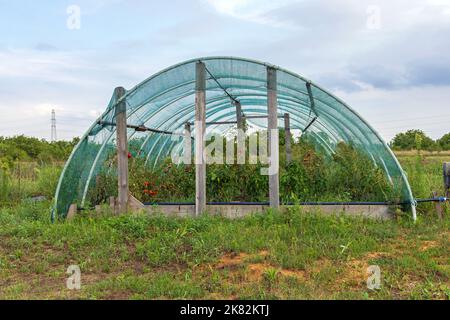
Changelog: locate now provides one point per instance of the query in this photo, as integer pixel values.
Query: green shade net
(166, 101)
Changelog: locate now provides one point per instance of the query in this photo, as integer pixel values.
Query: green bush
(32, 149)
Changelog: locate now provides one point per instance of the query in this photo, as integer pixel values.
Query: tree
(412, 139)
(444, 141)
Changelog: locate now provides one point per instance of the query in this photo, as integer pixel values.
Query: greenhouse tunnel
(165, 102)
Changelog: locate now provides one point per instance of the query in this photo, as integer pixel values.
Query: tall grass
(47, 180)
(5, 185)
(425, 176)
(27, 180)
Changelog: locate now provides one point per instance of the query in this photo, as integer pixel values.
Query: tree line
(418, 140)
(22, 148)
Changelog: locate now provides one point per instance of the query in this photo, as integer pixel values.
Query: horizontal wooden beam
(216, 122)
(258, 116)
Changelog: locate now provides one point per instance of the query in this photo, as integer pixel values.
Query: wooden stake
(438, 206)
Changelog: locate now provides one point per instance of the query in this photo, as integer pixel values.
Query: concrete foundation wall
(238, 211)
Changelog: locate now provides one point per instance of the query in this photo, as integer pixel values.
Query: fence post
(438, 205)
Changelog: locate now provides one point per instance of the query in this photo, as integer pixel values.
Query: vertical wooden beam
(288, 137)
(446, 174)
(438, 206)
(200, 128)
(272, 106)
(240, 135)
(122, 151)
(239, 119)
(187, 144)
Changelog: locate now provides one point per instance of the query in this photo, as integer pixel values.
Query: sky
(388, 59)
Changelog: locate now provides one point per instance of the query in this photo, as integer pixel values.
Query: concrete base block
(134, 204)
(73, 209)
(239, 211)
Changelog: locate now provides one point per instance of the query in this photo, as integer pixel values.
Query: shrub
(312, 176)
(354, 173)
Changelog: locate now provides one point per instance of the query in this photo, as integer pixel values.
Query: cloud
(393, 111)
(388, 68)
(252, 10)
(334, 46)
(34, 82)
(89, 7)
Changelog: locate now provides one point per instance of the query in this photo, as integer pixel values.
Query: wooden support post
(200, 128)
(240, 135)
(239, 118)
(438, 206)
(274, 187)
(187, 144)
(446, 173)
(288, 137)
(122, 151)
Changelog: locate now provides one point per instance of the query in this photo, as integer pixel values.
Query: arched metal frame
(165, 101)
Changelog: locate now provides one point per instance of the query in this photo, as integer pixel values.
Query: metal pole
(122, 151)
(274, 187)
(200, 126)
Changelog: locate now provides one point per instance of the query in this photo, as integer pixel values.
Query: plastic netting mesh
(166, 101)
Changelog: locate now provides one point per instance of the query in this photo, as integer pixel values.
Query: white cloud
(392, 69)
(252, 10)
(94, 7)
(53, 66)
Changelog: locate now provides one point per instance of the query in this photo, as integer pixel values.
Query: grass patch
(272, 256)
